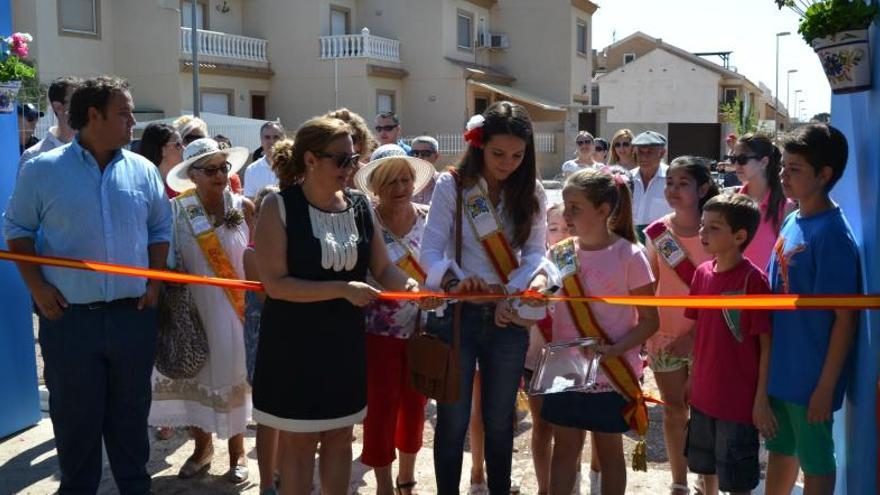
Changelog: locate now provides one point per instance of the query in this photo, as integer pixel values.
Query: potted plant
(13, 68)
(838, 32)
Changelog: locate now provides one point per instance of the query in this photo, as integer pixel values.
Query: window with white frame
(217, 102)
(582, 36)
(628, 58)
(465, 30)
(79, 18)
(186, 9)
(385, 101)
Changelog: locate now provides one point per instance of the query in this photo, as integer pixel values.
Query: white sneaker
(595, 482)
(576, 489)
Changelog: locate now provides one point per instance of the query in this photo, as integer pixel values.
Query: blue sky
(746, 27)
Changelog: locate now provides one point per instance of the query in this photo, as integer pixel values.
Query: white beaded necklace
(338, 235)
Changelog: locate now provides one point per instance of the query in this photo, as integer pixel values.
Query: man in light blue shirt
(93, 200)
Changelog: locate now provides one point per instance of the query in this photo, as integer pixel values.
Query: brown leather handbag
(433, 364)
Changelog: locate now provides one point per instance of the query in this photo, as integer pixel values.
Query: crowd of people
(332, 216)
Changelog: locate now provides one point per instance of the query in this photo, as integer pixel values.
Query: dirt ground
(28, 462)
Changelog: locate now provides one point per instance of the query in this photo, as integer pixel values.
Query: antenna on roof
(614, 36)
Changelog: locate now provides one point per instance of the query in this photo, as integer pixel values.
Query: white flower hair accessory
(474, 131)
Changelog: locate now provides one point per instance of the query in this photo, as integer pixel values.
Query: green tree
(734, 113)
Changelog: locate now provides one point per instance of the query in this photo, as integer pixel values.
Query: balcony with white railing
(364, 45)
(225, 48)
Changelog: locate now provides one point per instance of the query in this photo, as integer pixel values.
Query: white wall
(661, 87)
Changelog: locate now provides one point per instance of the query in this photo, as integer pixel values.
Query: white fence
(545, 142)
(224, 45)
(363, 45)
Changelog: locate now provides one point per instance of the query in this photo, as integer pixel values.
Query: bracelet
(450, 284)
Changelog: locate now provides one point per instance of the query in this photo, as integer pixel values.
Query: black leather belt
(128, 301)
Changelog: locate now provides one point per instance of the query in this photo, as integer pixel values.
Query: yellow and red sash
(488, 229)
(619, 373)
(213, 251)
(402, 256)
(670, 250)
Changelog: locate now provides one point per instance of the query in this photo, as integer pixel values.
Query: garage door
(695, 139)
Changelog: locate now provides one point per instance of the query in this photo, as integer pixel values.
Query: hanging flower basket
(837, 30)
(13, 69)
(8, 92)
(846, 58)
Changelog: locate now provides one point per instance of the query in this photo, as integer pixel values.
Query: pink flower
(20, 50)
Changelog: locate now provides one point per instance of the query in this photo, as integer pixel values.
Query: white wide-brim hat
(178, 179)
(422, 170)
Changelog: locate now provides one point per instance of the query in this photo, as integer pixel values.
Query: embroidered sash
(671, 251)
(402, 256)
(619, 373)
(210, 245)
(488, 229)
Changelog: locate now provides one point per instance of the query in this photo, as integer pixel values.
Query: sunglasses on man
(385, 128)
(740, 159)
(343, 160)
(212, 171)
(421, 153)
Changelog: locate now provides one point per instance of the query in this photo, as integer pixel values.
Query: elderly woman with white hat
(395, 411)
(211, 231)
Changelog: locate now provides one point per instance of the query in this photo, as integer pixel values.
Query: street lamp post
(195, 60)
(796, 97)
(788, 93)
(776, 91)
(802, 108)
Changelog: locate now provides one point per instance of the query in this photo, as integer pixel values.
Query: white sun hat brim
(178, 180)
(423, 172)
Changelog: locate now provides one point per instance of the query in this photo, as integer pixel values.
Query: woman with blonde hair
(310, 378)
(622, 150)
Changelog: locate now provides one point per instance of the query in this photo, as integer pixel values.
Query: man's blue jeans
(500, 353)
(98, 361)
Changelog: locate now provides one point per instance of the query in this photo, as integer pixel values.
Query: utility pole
(776, 92)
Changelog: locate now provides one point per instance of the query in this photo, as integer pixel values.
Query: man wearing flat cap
(649, 180)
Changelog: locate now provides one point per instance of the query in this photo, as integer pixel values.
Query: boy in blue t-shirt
(815, 254)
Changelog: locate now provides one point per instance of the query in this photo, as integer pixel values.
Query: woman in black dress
(314, 242)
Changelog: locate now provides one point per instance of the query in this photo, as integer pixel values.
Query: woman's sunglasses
(622, 144)
(212, 171)
(584, 141)
(191, 137)
(343, 160)
(740, 159)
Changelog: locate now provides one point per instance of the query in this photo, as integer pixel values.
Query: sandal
(238, 473)
(679, 488)
(400, 487)
(192, 468)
